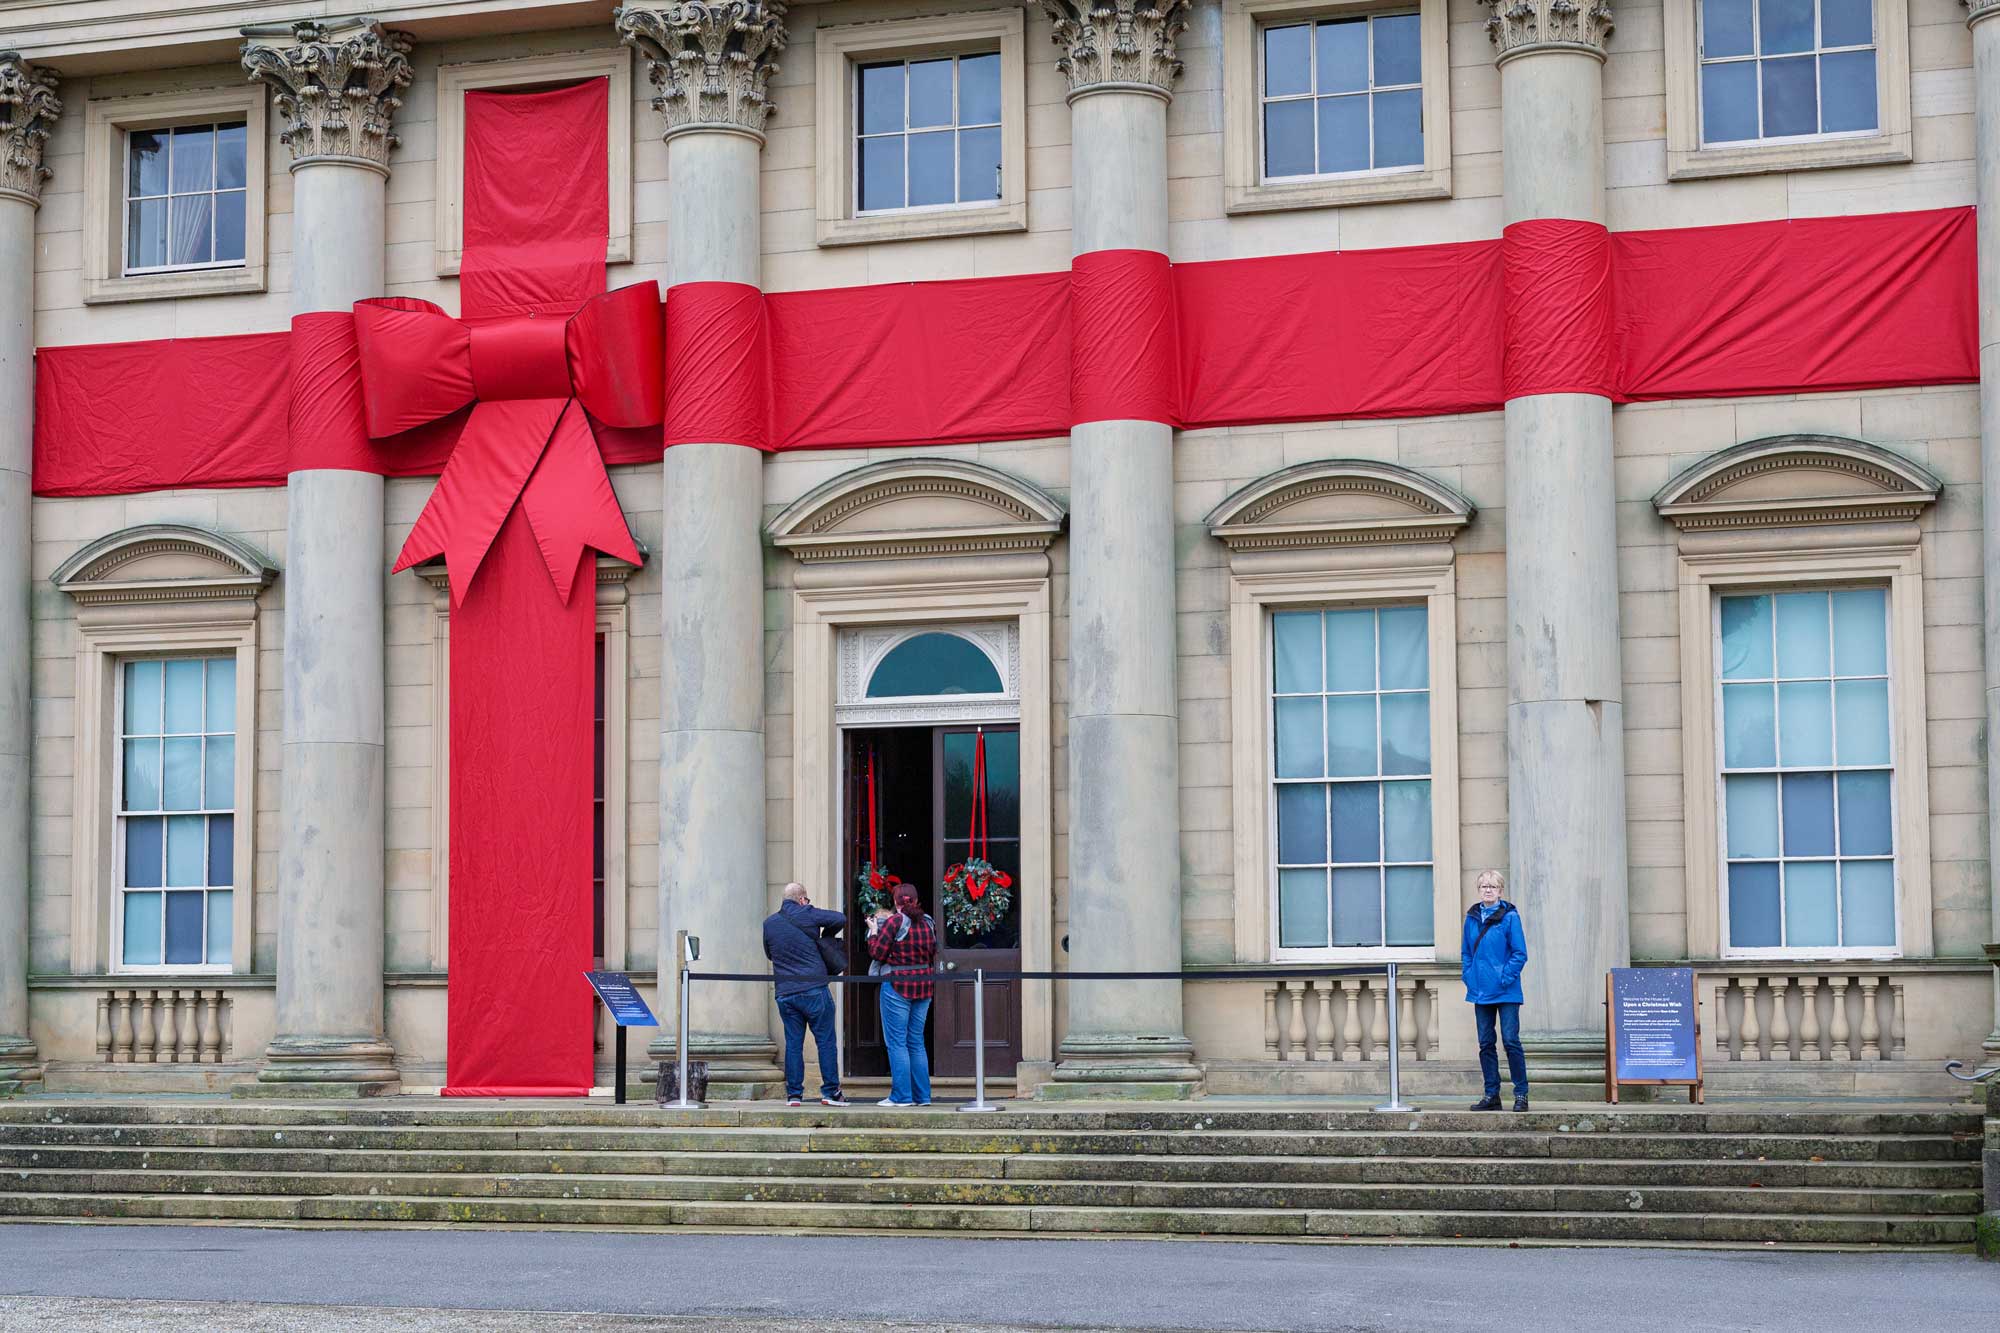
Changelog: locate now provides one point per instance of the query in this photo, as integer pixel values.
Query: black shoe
(1520, 1104)
(1487, 1103)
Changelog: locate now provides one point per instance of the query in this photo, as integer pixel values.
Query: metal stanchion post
(1395, 1102)
(684, 1103)
(979, 1102)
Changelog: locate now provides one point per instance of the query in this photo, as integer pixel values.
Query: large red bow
(531, 380)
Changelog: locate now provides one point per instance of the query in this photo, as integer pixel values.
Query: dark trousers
(812, 1008)
(1510, 1037)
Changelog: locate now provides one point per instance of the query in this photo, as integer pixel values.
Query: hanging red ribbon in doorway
(875, 886)
(976, 894)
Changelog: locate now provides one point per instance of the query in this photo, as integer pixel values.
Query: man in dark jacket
(1492, 954)
(791, 942)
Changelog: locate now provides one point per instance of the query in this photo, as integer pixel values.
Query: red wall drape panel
(1123, 351)
(1782, 307)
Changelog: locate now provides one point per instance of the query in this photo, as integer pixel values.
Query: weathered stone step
(1642, 1173)
(1426, 1142)
(944, 1191)
(1818, 1229)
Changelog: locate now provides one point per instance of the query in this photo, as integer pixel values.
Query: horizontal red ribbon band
(1810, 305)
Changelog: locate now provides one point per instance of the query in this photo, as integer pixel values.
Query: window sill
(1396, 187)
(173, 286)
(922, 225)
(1754, 159)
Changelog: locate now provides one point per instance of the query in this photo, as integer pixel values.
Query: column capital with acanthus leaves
(710, 60)
(1118, 44)
(1975, 10)
(1522, 27)
(337, 88)
(28, 108)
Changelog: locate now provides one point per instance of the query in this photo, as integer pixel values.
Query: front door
(922, 802)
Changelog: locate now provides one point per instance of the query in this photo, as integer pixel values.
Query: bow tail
(570, 504)
(491, 463)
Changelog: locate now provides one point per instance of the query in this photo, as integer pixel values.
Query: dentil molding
(336, 86)
(711, 60)
(1118, 44)
(28, 108)
(1518, 27)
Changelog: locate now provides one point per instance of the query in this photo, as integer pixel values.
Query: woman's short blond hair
(1493, 877)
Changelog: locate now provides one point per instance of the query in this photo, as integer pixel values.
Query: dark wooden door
(952, 1030)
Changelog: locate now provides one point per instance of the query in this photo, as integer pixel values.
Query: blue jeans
(1510, 1037)
(814, 1008)
(903, 1034)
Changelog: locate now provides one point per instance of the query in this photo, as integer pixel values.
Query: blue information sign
(627, 1007)
(1653, 1025)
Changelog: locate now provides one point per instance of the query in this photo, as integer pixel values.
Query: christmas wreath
(875, 889)
(976, 897)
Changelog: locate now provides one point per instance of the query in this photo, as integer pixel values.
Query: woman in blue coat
(1491, 957)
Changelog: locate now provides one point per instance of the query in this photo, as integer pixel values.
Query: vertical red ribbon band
(1558, 313)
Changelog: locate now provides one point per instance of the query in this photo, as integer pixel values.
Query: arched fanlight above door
(929, 673)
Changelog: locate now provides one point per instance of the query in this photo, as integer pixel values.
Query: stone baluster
(1841, 1049)
(211, 1027)
(1753, 1033)
(1432, 998)
(1781, 1018)
(190, 1028)
(1379, 1001)
(712, 65)
(28, 110)
(167, 1015)
(336, 87)
(1894, 1049)
(1323, 1030)
(103, 1033)
(1406, 1019)
(145, 1037)
(121, 1027)
(1871, 1027)
(1295, 1036)
(1271, 1019)
(1565, 710)
(1350, 1030)
(1809, 1018)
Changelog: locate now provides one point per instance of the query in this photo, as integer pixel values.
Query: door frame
(818, 616)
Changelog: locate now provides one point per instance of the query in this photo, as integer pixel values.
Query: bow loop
(416, 363)
(617, 356)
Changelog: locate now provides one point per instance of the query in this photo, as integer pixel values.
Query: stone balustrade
(1804, 1014)
(1345, 1019)
(163, 1025)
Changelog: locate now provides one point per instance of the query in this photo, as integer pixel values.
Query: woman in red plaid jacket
(903, 944)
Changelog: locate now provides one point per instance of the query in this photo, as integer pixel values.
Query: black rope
(966, 975)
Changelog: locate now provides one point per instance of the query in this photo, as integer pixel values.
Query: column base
(1564, 1066)
(325, 1067)
(741, 1068)
(1142, 1068)
(20, 1066)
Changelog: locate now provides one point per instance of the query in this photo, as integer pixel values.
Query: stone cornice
(28, 96)
(336, 87)
(1112, 45)
(711, 60)
(1338, 502)
(1976, 10)
(216, 568)
(1793, 480)
(1519, 27)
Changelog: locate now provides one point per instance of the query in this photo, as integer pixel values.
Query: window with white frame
(927, 133)
(1808, 771)
(1351, 775)
(175, 802)
(1342, 95)
(1787, 69)
(186, 197)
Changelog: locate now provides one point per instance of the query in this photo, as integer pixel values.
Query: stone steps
(1903, 1178)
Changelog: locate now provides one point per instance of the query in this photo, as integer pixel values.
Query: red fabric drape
(1122, 344)
(1786, 307)
(718, 381)
(537, 200)
(1558, 312)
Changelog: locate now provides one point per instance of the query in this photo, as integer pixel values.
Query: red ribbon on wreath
(976, 835)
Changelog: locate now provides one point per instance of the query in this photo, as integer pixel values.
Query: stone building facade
(1535, 619)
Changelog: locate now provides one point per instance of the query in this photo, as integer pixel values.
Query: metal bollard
(979, 1102)
(1395, 1102)
(681, 1049)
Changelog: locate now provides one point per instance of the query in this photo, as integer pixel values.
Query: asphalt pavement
(378, 1281)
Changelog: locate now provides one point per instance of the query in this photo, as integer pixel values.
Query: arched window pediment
(918, 507)
(165, 562)
(1339, 502)
(1786, 480)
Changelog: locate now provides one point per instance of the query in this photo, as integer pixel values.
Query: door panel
(999, 948)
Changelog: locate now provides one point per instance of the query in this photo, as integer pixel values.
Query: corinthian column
(1123, 1038)
(336, 94)
(28, 107)
(1983, 17)
(1565, 714)
(712, 66)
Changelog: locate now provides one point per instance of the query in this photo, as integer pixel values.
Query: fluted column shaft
(1983, 16)
(1565, 712)
(331, 858)
(1124, 728)
(29, 106)
(712, 855)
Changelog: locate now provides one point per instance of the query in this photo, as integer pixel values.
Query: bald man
(791, 942)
